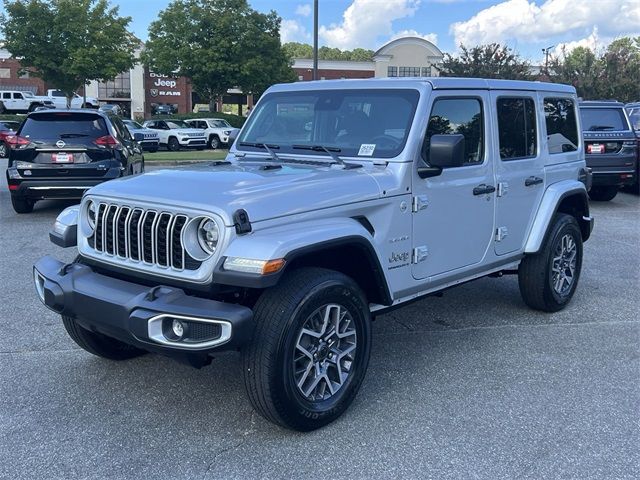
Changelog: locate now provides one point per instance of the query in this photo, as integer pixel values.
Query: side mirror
(138, 137)
(233, 135)
(445, 151)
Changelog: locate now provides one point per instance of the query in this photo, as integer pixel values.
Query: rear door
(63, 145)
(519, 166)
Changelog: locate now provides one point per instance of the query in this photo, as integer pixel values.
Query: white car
(176, 134)
(216, 130)
(59, 99)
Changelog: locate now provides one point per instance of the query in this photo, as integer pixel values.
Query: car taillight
(14, 141)
(106, 141)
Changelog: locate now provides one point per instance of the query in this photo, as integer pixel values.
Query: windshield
(27, 95)
(132, 124)
(178, 124)
(362, 123)
(603, 119)
(219, 124)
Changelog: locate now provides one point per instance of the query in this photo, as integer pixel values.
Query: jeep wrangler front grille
(147, 236)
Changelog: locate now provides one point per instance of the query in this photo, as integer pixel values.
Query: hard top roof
(602, 103)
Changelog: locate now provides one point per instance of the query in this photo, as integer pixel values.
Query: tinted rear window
(63, 125)
(603, 119)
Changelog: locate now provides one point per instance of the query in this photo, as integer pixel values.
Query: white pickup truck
(59, 99)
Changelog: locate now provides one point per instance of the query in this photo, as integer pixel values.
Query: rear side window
(463, 116)
(6, 95)
(562, 127)
(517, 128)
(603, 119)
(48, 126)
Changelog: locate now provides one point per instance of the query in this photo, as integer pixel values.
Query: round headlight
(208, 235)
(92, 213)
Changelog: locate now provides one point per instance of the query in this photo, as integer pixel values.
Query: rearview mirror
(445, 151)
(233, 135)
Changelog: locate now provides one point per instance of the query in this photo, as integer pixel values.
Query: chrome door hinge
(420, 254)
(501, 233)
(503, 188)
(420, 202)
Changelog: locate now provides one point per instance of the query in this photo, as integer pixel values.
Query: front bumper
(193, 142)
(133, 313)
(150, 145)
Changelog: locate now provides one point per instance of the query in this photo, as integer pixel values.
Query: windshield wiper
(72, 135)
(266, 147)
(332, 153)
(595, 128)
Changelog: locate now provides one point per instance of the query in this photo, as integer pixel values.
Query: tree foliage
(303, 50)
(67, 43)
(486, 61)
(218, 44)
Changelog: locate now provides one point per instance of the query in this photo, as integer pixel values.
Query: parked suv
(216, 130)
(147, 138)
(337, 202)
(176, 134)
(60, 154)
(610, 147)
(12, 101)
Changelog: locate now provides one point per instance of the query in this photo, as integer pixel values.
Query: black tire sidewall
(303, 413)
(212, 140)
(603, 193)
(567, 225)
(173, 145)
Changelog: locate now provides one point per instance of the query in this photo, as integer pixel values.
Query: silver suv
(337, 202)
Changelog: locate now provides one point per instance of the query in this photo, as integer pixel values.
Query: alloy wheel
(563, 268)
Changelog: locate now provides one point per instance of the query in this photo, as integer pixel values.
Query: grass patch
(186, 155)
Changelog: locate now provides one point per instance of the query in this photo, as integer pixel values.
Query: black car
(610, 147)
(60, 154)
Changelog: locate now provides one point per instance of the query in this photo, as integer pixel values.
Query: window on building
(392, 71)
(24, 74)
(5, 73)
(517, 130)
(120, 87)
(562, 128)
(426, 71)
(408, 71)
(463, 116)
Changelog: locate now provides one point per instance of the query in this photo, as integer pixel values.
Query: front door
(453, 212)
(519, 167)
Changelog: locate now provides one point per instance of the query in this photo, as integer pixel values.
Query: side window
(17, 96)
(517, 130)
(118, 127)
(562, 127)
(462, 116)
(6, 95)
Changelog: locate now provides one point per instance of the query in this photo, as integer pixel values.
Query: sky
(526, 25)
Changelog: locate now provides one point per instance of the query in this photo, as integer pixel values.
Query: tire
(273, 364)
(214, 142)
(542, 288)
(173, 145)
(603, 194)
(22, 205)
(98, 344)
(3, 150)
(2, 108)
(32, 107)
(153, 150)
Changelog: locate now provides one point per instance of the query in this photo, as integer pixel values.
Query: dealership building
(141, 92)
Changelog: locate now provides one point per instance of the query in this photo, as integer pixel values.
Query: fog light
(178, 328)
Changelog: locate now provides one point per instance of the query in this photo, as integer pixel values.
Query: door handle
(482, 189)
(531, 181)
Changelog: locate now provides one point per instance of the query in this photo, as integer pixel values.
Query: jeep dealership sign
(163, 86)
(163, 90)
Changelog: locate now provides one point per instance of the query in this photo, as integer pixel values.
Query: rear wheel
(310, 350)
(548, 279)
(603, 194)
(3, 150)
(22, 205)
(98, 344)
(173, 145)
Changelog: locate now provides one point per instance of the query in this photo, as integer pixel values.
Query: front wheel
(548, 279)
(214, 142)
(173, 145)
(310, 349)
(603, 194)
(98, 344)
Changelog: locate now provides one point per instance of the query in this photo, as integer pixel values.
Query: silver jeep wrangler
(338, 201)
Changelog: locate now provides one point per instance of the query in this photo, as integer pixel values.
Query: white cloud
(430, 37)
(303, 10)
(366, 20)
(526, 21)
(293, 31)
(592, 42)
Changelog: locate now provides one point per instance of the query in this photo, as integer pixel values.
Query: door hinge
(503, 188)
(501, 233)
(420, 202)
(420, 254)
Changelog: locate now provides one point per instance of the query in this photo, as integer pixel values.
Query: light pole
(546, 59)
(315, 39)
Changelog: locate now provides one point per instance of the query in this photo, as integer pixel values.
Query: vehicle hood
(264, 194)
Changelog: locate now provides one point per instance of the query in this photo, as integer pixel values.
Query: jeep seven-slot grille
(147, 236)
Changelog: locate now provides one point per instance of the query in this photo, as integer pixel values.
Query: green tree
(303, 50)
(298, 50)
(621, 63)
(68, 43)
(581, 68)
(218, 44)
(486, 61)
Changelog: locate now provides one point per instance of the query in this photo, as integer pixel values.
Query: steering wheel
(385, 141)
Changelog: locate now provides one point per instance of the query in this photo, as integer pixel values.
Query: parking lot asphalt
(470, 385)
